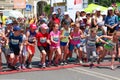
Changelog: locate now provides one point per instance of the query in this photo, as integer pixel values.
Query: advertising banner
(19, 4)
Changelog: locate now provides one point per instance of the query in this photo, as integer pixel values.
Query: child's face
(66, 26)
(56, 27)
(43, 31)
(17, 32)
(93, 34)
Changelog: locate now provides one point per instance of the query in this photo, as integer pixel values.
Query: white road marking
(97, 76)
(93, 73)
(36, 58)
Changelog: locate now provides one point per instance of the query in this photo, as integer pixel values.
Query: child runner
(24, 51)
(65, 32)
(15, 45)
(55, 44)
(91, 45)
(99, 45)
(42, 42)
(75, 36)
(2, 40)
(31, 44)
(112, 46)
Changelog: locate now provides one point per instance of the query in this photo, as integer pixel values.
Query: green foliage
(47, 9)
(106, 3)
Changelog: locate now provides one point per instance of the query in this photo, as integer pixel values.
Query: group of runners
(91, 37)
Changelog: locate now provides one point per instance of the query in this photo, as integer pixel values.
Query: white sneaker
(80, 61)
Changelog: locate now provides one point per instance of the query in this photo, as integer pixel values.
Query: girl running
(91, 45)
(24, 51)
(112, 46)
(42, 42)
(65, 32)
(55, 44)
(75, 36)
(31, 44)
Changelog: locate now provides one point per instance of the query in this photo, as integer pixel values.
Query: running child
(31, 44)
(64, 42)
(112, 46)
(74, 45)
(15, 45)
(42, 42)
(24, 51)
(55, 45)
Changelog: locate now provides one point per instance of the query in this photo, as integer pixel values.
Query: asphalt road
(76, 73)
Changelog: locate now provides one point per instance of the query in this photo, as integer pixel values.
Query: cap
(54, 13)
(66, 13)
(9, 22)
(88, 13)
(110, 8)
(0, 22)
(98, 9)
(16, 28)
(82, 10)
(33, 26)
(44, 26)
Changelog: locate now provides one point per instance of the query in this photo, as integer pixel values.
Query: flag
(77, 2)
(20, 4)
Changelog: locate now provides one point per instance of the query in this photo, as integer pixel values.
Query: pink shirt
(75, 38)
(56, 38)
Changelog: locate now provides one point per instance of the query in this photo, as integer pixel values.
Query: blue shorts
(71, 46)
(63, 43)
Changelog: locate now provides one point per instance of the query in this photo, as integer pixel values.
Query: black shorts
(98, 45)
(15, 50)
(43, 48)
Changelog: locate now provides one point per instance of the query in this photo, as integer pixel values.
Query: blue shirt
(14, 41)
(111, 20)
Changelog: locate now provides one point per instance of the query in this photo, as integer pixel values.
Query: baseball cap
(66, 13)
(9, 22)
(16, 28)
(33, 26)
(110, 8)
(1, 22)
(44, 26)
(88, 13)
(54, 13)
(98, 9)
(82, 10)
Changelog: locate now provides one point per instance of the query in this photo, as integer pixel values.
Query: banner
(19, 4)
(77, 2)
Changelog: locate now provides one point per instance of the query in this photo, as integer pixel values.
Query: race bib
(91, 43)
(66, 34)
(56, 39)
(76, 38)
(43, 40)
(99, 33)
(14, 42)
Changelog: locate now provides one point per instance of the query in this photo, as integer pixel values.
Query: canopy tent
(92, 7)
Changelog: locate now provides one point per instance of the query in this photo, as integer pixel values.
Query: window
(96, 1)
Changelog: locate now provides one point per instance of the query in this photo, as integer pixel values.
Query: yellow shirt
(65, 33)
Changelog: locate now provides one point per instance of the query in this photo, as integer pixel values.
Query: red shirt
(42, 39)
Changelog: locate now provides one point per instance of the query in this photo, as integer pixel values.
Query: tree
(47, 9)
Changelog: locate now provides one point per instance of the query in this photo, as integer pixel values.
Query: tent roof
(92, 7)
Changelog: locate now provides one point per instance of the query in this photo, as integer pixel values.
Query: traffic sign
(28, 7)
